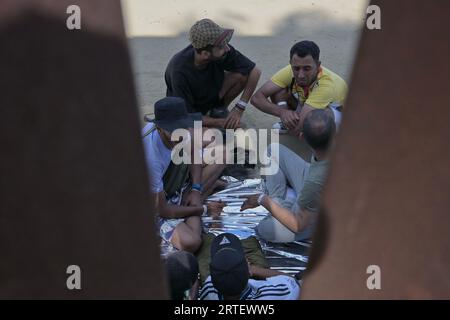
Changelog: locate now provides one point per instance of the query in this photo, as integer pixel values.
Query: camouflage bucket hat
(206, 32)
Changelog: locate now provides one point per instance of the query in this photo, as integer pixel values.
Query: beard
(219, 59)
(306, 82)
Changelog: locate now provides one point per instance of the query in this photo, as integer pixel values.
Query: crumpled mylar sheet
(289, 257)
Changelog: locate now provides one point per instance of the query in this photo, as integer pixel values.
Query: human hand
(289, 118)
(215, 208)
(234, 118)
(251, 202)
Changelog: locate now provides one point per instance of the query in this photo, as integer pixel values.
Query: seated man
(300, 87)
(209, 74)
(295, 222)
(231, 273)
(179, 224)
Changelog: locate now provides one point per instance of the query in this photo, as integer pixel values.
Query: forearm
(196, 173)
(304, 111)
(170, 211)
(263, 273)
(252, 82)
(290, 220)
(196, 169)
(212, 122)
(263, 103)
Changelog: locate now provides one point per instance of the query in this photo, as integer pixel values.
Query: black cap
(171, 114)
(228, 267)
(182, 268)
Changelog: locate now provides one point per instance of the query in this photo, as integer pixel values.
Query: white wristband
(205, 209)
(243, 104)
(282, 103)
(260, 198)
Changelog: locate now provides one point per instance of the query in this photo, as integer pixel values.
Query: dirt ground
(264, 31)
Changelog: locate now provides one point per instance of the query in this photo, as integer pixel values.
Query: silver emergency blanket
(289, 258)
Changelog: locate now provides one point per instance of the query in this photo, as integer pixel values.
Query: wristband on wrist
(197, 187)
(241, 104)
(282, 103)
(240, 108)
(205, 209)
(260, 198)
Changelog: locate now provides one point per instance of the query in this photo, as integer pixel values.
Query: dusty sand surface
(264, 31)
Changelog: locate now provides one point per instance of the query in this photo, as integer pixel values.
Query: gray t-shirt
(312, 188)
(157, 157)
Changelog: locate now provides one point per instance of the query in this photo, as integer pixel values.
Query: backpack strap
(149, 131)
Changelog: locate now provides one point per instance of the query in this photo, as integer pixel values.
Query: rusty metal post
(73, 180)
(388, 196)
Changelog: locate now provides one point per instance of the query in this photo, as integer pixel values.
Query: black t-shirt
(200, 86)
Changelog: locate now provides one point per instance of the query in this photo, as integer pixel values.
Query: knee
(265, 229)
(279, 96)
(240, 78)
(272, 230)
(191, 243)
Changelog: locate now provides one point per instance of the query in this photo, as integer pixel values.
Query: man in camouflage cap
(209, 74)
(205, 32)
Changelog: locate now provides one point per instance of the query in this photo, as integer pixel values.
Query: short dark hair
(208, 48)
(319, 129)
(182, 268)
(305, 48)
